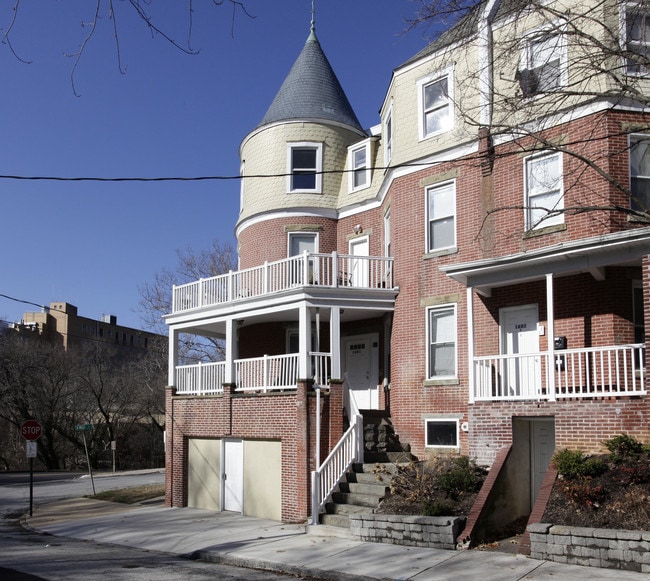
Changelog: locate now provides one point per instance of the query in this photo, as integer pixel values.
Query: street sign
(31, 430)
(31, 449)
(83, 427)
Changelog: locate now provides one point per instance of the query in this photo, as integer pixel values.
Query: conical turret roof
(311, 90)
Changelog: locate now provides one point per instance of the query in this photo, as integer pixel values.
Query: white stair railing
(348, 450)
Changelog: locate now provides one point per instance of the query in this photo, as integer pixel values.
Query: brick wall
(288, 417)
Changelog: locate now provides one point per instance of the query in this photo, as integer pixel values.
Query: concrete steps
(365, 485)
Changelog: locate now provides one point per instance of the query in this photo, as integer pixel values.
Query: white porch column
(550, 339)
(232, 350)
(335, 342)
(304, 341)
(470, 344)
(173, 356)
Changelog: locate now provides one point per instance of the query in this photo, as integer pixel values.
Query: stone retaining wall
(439, 532)
(607, 548)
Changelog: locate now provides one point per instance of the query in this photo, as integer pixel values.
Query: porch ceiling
(355, 305)
(587, 255)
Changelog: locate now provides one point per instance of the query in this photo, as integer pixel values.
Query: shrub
(585, 494)
(461, 477)
(435, 508)
(624, 447)
(574, 464)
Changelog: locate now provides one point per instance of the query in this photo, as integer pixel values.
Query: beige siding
(265, 153)
(203, 474)
(263, 479)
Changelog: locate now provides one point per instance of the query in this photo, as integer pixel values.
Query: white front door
(359, 267)
(520, 335)
(362, 369)
(233, 475)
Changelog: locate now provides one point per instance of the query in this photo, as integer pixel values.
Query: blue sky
(171, 114)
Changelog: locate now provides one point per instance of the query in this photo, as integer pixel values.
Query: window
(442, 342)
(441, 216)
(388, 137)
(358, 161)
(640, 172)
(637, 40)
(639, 315)
(435, 105)
(387, 233)
(441, 433)
(305, 165)
(544, 194)
(544, 63)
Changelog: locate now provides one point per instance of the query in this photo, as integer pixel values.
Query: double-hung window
(305, 166)
(435, 104)
(637, 39)
(441, 217)
(358, 159)
(544, 192)
(544, 63)
(388, 137)
(441, 342)
(640, 172)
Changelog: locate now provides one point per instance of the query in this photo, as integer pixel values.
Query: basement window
(441, 433)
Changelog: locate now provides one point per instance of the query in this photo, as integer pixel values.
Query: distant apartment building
(61, 324)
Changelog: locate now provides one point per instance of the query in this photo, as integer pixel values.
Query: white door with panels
(519, 336)
(233, 475)
(362, 369)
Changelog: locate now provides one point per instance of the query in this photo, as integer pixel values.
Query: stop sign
(31, 430)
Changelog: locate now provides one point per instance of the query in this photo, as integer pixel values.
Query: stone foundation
(439, 532)
(606, 548)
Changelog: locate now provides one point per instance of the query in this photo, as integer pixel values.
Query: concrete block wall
(605, 548)
(437, 532)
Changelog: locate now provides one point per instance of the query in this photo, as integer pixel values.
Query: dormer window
(435, 104)
(305, 167)
(544, 61)
(359, 165)
(388, 137)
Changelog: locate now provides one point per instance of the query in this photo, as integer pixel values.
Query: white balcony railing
(200, 379)
(267, 373)
(587, 372)
(328, 270)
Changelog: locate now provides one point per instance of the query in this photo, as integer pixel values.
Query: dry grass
(132, 495)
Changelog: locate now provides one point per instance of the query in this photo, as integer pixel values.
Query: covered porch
(595, 369)
(276, 338)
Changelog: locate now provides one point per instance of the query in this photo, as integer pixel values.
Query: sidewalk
(270, 545)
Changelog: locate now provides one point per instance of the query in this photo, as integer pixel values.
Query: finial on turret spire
(313, 16)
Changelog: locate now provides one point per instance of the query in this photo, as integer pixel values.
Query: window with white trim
(544, 192)
(441, 342)
(359, 163)
(640, 172)
(387, 233)
(305, 167)
(441, 433)
(388, 136)
(441, 216)
(544, 63)
(435, 105)
(637, 39)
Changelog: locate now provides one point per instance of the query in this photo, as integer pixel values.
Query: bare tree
(545, 64)
(120, 397)
(115, 14)
(156, 296)
(37, 381)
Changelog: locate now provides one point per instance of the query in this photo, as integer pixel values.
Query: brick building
(476, 265)
(61, 324)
